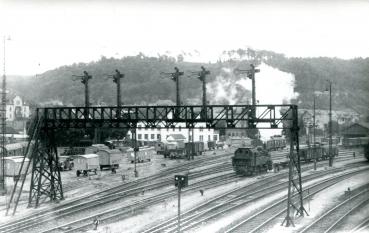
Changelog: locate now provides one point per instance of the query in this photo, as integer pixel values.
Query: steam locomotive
(251, 161)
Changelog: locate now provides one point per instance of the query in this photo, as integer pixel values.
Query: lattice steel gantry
(46, 181)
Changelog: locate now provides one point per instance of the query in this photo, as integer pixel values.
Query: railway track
(131, 188)
(229, 201)
(332, 219)
(363, 226)
(258, 221)
(110, 196)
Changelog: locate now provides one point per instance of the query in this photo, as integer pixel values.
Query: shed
(356, 130)
(85, 163)
(110, 158)
(13, 165)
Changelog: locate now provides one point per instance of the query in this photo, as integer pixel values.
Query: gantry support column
(46, 180)
(294, 200)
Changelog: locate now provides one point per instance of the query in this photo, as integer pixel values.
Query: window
(158, 136)
(146, 136)
(174, 129)
(209, 138)
(215, 137)
(201, 129)
(180, 128)
(201, 138)
(152, 136)
(139, 136)
(190, 138)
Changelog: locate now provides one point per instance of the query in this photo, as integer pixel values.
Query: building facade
(17, 109)
(201, 134)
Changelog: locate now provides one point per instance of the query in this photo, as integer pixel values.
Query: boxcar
(110, 159)
(249, 161)
(13, 165)
(16, 149)
(143, 154)
(195, 148)
(86, 163)
(211, 145)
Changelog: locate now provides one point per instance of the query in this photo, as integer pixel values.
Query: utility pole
(314, 134)
(251, 75)
(330, 124)
(175, 77)
(84, 79)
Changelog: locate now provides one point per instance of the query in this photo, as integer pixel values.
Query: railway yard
(217, 200)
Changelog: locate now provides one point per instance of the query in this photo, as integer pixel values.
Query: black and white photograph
(184, 116)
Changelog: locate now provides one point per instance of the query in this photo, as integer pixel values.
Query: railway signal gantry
(46, 181)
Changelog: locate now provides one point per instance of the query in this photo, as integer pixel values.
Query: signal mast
(175, 77)
(84, 79)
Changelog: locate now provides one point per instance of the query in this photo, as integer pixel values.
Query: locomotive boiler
(250, 161)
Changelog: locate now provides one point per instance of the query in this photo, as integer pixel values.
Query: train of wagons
(249, 161)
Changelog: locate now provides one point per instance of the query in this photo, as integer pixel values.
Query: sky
(47, 34)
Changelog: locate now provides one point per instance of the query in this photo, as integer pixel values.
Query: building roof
(17, 159)
(88, 156)
(357, 129)
(177, 136)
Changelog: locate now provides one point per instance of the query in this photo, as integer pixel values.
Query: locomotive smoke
(272, 87)
(227, 89)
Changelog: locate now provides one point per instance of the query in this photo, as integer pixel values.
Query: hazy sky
(48, 34)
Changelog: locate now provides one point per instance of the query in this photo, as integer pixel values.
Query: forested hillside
(143, 83)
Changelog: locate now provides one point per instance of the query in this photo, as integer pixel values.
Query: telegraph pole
(330, 124)
(314, 134)
(175, 77)
(84, 79)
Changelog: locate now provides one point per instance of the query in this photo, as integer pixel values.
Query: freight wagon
(142, 154)
(194, 148)
(275, 143)
(211, 145)
(110, 159)
(86, 163)
(355, 142)
(13, 165)
(16, 149)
